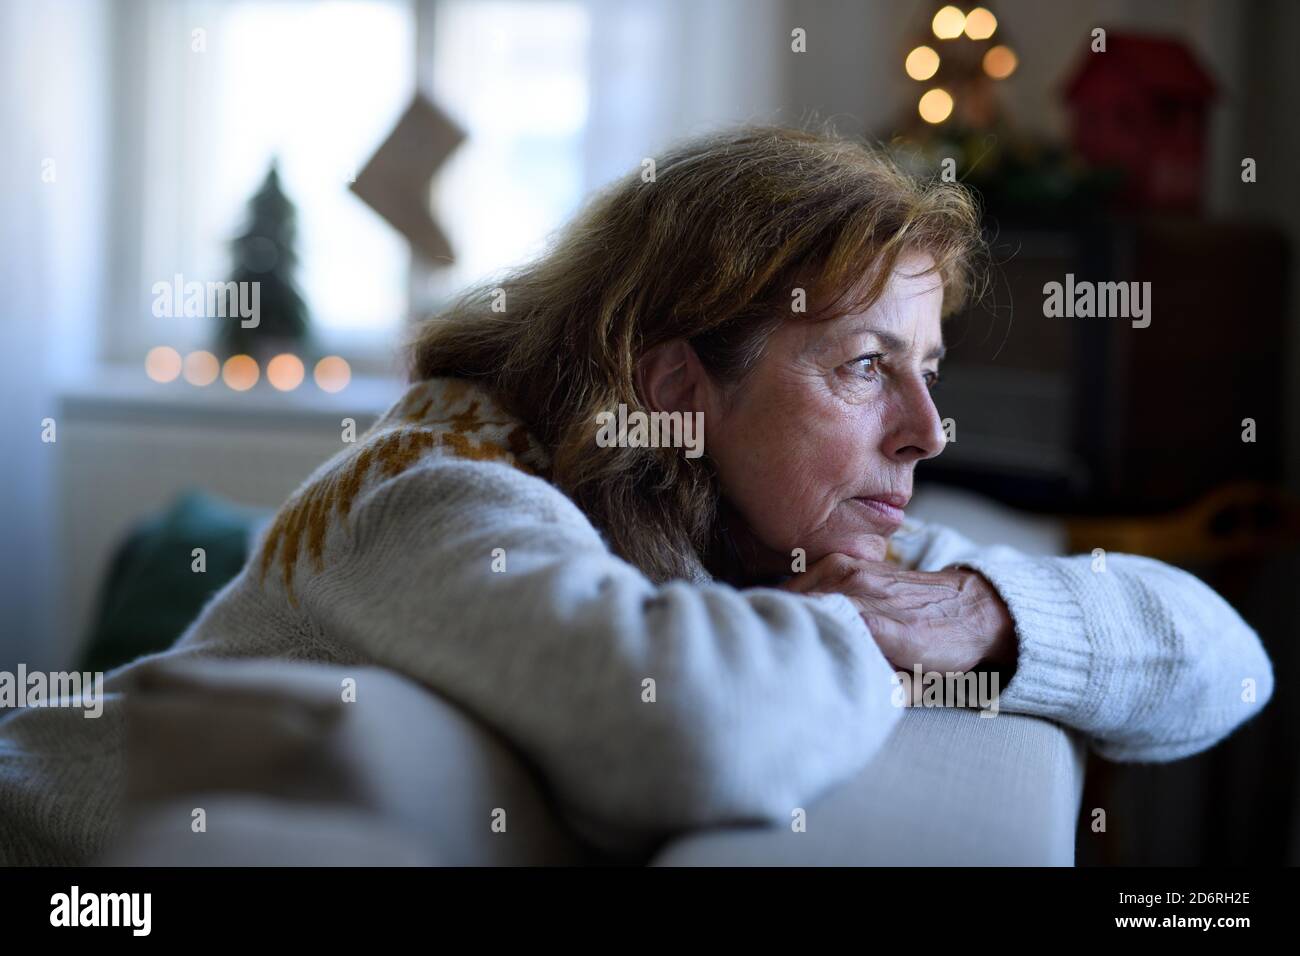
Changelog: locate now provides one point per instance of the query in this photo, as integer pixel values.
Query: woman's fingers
(943, 620)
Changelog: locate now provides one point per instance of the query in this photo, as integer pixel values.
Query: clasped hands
(952, 620)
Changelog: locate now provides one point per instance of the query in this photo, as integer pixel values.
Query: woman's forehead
(907, 317)
(921, 336)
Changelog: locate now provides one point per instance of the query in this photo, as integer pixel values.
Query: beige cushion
(286, 770)
(950, 788)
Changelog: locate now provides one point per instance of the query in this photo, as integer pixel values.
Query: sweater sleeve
(1142, 657)
(646, 709)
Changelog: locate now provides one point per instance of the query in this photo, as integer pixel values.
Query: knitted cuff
(1054, 670)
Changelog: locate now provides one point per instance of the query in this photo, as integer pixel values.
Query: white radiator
(126, 449)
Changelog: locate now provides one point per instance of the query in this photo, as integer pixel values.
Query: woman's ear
(670, 378)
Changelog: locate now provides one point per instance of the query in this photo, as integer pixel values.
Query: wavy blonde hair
(709, 250)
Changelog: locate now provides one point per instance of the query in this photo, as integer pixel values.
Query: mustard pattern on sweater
(443, 417)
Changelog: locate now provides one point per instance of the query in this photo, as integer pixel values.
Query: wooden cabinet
(1094, 416)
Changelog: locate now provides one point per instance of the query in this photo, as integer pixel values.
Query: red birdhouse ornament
(1143, 106)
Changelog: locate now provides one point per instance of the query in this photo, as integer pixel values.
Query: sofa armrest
(949, 788)
(278, 759)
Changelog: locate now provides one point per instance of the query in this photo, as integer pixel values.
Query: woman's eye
(866, 365)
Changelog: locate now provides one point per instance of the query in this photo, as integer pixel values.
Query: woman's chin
(865, 547)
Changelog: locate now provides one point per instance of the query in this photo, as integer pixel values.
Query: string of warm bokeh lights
(284, 372)
(923, 62)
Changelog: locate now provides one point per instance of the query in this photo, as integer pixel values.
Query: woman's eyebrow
(889, 339)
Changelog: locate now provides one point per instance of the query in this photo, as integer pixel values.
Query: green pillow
(152, 594)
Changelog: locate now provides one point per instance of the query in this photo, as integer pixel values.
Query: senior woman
(637, 620)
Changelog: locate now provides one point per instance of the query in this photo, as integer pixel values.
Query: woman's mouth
(887, 510)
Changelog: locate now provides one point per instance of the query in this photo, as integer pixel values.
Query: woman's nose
(918, 432)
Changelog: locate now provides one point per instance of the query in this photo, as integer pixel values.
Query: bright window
(555, 97)
(316, 86)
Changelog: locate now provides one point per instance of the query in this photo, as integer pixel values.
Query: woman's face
(815, 449)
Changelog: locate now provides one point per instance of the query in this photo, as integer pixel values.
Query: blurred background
(364, 159)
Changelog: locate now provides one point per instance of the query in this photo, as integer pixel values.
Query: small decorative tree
(264, 253)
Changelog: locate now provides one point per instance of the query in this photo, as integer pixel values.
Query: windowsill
(122, 392)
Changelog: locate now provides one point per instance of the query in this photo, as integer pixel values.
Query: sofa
(281, 770)
(287, 773)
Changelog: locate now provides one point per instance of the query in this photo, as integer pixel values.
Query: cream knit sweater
(436, 548)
